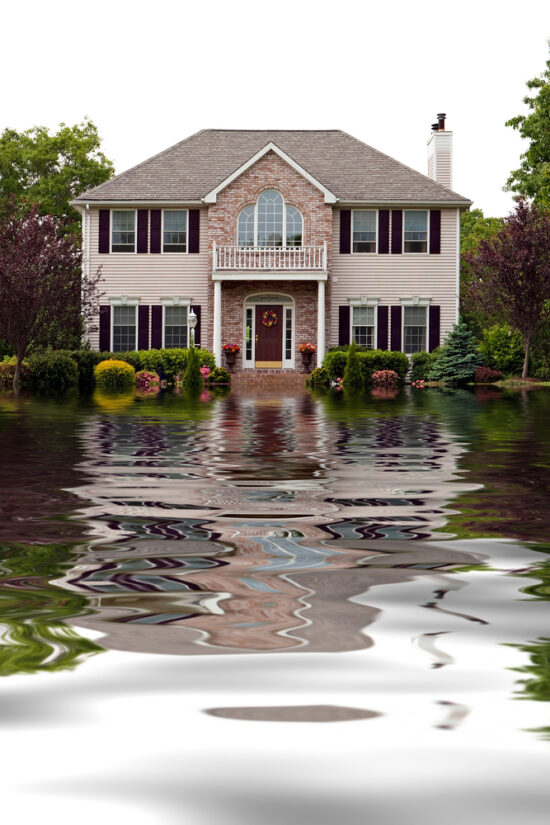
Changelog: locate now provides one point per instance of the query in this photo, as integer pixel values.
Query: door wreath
(269, 318)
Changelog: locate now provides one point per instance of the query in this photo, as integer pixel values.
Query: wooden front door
(269, 339)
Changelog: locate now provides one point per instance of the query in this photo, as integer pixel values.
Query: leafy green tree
(52, 169)
(502, 349)
(458, 359)
(532, 179)
(352, 379)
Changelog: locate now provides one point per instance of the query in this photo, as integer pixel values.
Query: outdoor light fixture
(192, 321)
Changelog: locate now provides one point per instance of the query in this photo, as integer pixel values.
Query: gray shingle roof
(350, 169)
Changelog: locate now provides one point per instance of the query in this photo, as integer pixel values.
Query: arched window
(270, 222)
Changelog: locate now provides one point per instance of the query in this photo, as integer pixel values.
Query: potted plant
(231, 351)
(307, 351)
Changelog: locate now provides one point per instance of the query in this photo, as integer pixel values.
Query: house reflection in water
(259, 528)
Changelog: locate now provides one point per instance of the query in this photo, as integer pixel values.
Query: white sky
(151, 73)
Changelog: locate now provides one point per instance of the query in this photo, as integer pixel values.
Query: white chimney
(440, 153)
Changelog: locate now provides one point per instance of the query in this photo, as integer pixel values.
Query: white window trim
(415, 302)
(174, 301)
(364, 301)
(250, 302)
(123, 301)
(376, 224)
(255, 205)
(416, 254)
(111, 231)
(186, 232)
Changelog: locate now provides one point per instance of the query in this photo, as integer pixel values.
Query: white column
(218, 322)
(320, 322)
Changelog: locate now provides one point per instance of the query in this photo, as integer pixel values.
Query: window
(362, 326)
(415, 225)
(270, 223)
(123, 231)
(174, 236)
(414, 329)
(248, 334)
(364, 231)
(175, 327)
(124, 328)
(288, 333)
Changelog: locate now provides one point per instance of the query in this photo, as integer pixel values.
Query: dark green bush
(345, 348)
(502, 349)
(319, 379)
(165, 362)
(86, 360)
(335, 363)
(53, 370)
(422, 363)
(458, 359)
(192, 378)
(352, 379)
(376, 360)
(219, 375)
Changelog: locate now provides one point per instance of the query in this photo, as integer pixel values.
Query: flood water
(276, 608)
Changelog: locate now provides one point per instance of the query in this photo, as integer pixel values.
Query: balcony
(270, 258)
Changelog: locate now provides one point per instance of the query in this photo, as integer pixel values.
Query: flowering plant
(145, 379)
(307, 347)
(385, 378)
(418, 384)
(205, 371)
(231, 348)
(337, 384)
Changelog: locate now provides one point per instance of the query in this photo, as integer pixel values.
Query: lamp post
(192, 321)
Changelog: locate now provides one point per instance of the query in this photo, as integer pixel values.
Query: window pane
(175, 231)
(270, 218)
(288, 334)
(416, 232)
(363, 315)
(293, 227)
(363, 326)
(248, 334)
(246, 227)
(175, 327)
(415, 329)
(364, 231)
(124, 328)
(123, 231)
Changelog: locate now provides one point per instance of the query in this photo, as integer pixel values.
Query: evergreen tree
(192, 378)
(458, 359)
(352, 374)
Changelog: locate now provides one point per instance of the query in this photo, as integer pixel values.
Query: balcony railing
(271, 258)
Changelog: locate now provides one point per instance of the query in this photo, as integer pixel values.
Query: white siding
(392, 277)
(151, 277)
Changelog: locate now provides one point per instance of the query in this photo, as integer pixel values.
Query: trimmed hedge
(114, 374)
(165, 362)
(422, 363)
(52, 370)
(370, 361)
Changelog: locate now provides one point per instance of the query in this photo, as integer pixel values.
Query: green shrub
(53, 370)
(502, 349)
(114, 374)
(458, 359)
(86, 360)
(335, 363)
(219, 375)
(542, 373)
(421, 364)
(165, 362)
(352, 378)
(192, 378)
(345, 348)
(7, 371)
(319, 379)
(376, 360)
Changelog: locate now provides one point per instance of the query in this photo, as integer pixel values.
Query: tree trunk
(17, 375)
(527, 345)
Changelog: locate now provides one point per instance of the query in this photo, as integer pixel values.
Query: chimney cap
(441, 114)
(435, 127)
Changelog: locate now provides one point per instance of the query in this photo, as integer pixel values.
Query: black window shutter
(194, 230)
(383, 232)
(104, 231)
(142, 222)
(197, 311)
(396, 328)
(156, 327)
(382, 328)
(343, 325)
(435, 232)
(345, 232)
(396, 232)
(435, 327)
(155, 230)
(143, 327)
(105, 328)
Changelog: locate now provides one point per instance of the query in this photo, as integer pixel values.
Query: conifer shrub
(192, 378)
(458, 359)
(352, 379)
(114, 374)
(53, 370)
(319, 379)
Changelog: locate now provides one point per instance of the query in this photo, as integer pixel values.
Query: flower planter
(306, 359)
(230, 359)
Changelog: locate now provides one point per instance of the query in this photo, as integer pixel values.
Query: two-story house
(274, 239)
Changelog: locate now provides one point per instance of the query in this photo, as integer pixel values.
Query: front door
(269, 336)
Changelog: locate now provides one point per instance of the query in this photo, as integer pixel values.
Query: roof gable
(211, 196)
